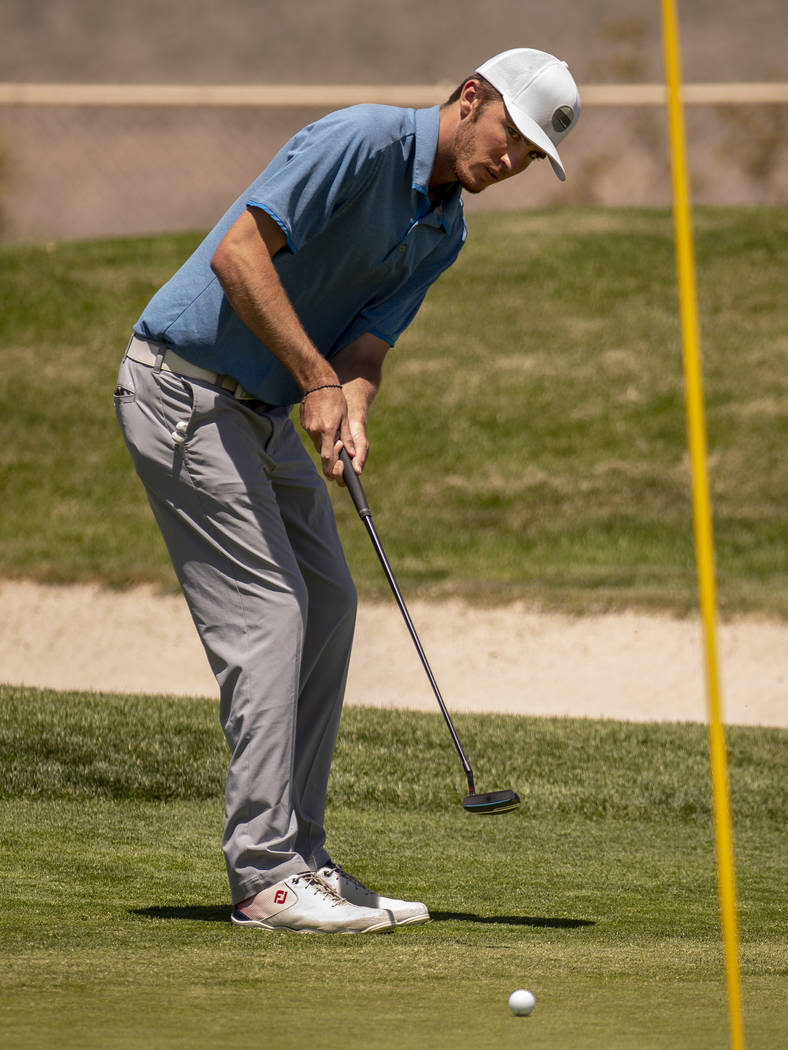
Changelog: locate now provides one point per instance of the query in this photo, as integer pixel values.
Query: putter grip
(354, 485)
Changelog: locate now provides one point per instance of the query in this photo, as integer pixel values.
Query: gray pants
(250, 529)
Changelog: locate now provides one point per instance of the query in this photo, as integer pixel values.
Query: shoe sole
(258, 924)
(413, 920)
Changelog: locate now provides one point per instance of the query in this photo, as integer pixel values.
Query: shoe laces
(350, 878)
(311, 878)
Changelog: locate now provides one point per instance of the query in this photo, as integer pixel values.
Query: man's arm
(243, 263)
(359, 367)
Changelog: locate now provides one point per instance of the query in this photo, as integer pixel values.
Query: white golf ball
(521, 1002)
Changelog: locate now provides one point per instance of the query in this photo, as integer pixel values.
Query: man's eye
(513, 133)
(536, 155)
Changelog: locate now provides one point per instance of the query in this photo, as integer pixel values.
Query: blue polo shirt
(363, 246)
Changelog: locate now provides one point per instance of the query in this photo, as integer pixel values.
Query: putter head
(492, 802)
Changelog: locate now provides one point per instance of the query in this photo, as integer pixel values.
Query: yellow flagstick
(704, 542)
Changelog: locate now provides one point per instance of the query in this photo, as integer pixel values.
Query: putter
(487, 802)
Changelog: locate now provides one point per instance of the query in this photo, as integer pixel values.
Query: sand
(626, 666)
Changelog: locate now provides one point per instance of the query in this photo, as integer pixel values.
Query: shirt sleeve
(319, 171)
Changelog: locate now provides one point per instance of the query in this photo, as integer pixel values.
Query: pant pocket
(175, 402)
(125, 391)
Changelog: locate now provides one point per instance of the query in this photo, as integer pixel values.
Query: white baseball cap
(540, 94)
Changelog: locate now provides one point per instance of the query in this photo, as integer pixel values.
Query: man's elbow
(221, 260)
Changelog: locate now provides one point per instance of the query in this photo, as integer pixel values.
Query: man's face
(488, 148)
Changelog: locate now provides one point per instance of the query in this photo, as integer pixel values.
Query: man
(296, 296)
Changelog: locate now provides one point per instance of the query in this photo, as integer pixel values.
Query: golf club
(488, 802)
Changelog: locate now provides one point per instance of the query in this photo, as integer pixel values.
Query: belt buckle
(232, 386)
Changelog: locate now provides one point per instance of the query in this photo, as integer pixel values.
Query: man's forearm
(243, 263)
(359, 367)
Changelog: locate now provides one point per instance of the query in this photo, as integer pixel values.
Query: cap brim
(527, 126)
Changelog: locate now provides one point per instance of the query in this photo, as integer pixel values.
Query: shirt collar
(427, 127)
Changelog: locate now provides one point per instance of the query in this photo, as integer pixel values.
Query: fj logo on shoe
(280, 896)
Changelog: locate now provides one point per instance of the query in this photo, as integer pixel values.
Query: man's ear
(469, 97)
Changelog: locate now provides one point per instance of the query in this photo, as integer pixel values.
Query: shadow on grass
(192, 912)
(221, 913)
(510, 920)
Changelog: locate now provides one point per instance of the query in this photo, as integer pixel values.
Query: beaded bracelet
(325, 386)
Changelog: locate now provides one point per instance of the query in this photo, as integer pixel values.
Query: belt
(149, 352)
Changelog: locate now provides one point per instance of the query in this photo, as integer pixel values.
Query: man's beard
(463, 152)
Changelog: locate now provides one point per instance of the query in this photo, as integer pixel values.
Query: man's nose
(518, 158)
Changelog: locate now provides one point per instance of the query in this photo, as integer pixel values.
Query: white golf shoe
(406, 913)
(305, 903)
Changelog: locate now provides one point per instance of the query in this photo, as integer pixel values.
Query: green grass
(529, 441)
(599, 893)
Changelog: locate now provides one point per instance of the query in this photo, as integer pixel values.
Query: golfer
(295, 297)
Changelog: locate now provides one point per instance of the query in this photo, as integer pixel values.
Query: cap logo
(562, 118)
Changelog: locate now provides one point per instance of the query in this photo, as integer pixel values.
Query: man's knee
(349, 596)
(344, 596)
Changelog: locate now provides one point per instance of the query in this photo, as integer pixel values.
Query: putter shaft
(360, 500)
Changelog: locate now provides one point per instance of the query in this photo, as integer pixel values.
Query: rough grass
(528, 443)
(71, 745)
